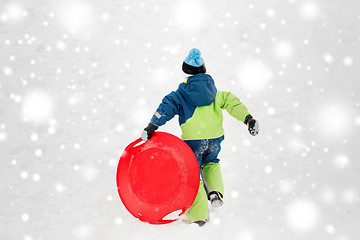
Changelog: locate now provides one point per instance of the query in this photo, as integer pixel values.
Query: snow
(253, 75)
(76, 16)
(79, 80)
(309, 10)
(13, 11)
(37, 107)
(189, 15)
(302, 215)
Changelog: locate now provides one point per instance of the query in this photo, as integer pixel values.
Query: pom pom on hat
(194, 63)
(194, 58)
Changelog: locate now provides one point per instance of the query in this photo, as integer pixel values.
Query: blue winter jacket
(199, 105)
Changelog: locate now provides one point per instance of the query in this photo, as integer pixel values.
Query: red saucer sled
(158, 179)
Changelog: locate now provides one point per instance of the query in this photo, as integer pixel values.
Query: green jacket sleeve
(233, 106)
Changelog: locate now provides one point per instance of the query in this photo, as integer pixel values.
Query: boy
(198, 104)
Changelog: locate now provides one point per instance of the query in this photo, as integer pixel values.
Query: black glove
(148, 131)
(253, 125)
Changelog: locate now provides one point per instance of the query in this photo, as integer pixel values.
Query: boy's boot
(215, 199)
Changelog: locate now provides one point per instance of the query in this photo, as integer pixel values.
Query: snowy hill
(80, 80)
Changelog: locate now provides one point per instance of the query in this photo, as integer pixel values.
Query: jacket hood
(199, 90)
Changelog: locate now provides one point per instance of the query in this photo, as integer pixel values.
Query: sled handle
(135, 143)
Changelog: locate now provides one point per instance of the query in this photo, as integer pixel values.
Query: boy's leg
(199, 209)
(212, 173)
(213, 177)
(211, 168)
(214, 182)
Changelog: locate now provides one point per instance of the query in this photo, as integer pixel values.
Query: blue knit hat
(194, 63)
(194, 58)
